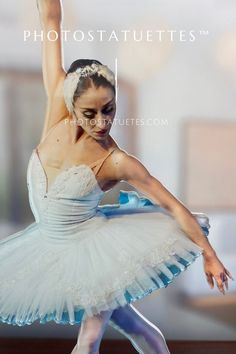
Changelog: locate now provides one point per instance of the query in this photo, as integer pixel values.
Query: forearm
(132, 171)
(191, 227)
(49, 10)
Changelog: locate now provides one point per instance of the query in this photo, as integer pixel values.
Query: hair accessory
(72, 79)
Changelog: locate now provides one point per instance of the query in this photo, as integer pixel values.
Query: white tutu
(63, 270)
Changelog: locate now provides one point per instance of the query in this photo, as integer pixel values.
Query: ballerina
(82, 263)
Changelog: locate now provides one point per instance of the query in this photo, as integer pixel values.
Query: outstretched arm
(131, 170)
(50, 14)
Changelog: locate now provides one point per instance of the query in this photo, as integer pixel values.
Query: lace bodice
(73, 196)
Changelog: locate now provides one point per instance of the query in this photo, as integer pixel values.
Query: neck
(79, 134)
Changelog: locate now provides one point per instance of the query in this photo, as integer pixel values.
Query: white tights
(145, 337)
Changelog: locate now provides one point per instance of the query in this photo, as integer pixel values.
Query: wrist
(209, 254)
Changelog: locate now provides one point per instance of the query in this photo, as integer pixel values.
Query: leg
(91, 332)
(144, 336)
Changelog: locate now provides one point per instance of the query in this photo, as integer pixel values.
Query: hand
(215, 269)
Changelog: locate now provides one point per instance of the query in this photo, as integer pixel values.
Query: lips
(101, 132)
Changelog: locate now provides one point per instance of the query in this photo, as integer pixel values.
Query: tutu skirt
(123, 253)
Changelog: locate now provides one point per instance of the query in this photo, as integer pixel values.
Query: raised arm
(50, 14)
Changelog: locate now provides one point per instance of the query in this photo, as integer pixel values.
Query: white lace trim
(77, 181)
(135, 276)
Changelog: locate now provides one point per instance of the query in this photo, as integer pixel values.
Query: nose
(102, 121)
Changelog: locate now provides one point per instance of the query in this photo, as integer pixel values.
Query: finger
(224, 279)
(219, 283)
(210, 280)
(221, 288)
(226, 284)
(228, 273)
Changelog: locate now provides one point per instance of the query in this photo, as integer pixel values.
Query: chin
(97, 137)
(101, 137)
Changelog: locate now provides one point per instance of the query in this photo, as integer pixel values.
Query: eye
(88, 115)
(108, 110)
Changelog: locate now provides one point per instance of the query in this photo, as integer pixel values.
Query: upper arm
(131, 170)
(52, 58)
(52, 63)
(56, 109)
(50, 14)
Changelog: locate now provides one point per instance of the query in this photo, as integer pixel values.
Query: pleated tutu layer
(120, 255)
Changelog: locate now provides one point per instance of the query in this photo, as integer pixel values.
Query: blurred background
(176, 113)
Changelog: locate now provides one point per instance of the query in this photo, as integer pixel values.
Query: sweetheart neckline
(48, 190)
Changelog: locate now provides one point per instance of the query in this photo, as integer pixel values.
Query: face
(95, 110)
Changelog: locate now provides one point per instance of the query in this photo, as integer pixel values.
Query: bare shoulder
(127, 167)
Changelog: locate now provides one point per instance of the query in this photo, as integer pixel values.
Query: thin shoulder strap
(103, 159)
(49, 131)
